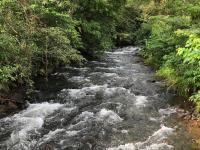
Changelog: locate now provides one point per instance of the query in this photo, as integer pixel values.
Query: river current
(116, 104)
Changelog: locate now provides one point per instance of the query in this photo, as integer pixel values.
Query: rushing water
(116, 104)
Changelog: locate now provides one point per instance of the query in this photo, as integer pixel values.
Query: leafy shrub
(173, 43)
(162, 40)
(38, 36)
(35, 37)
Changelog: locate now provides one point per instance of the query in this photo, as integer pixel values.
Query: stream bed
(116, 104)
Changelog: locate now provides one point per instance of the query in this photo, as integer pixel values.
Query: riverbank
(99, 81)
(101, 103)
(12, 102)
(191, 124)
(186, 111)
(193, 128)
(190, 121)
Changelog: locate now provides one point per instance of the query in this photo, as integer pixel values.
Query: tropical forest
(100, 74)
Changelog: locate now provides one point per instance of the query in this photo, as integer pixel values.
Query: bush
(38, 36)
(173, 44)
(35, 37)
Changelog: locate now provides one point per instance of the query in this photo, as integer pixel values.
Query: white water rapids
(116, 104)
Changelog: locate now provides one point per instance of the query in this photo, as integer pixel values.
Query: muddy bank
(191, 123)
(189, 119)
(193, 128)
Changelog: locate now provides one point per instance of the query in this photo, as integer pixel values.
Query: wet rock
(8, 106)
(12, 105)
(12, 101)
(181, 113)
(137, 93)
(187, 117)
(151, 81)
(2, 111)
(47, 147)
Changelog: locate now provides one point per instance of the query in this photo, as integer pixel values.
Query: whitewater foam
(93, 89)
(29, 120)
(112, 91)
(167, 111)
(85, 115)
(79, 79)
(108, 116)
(155, 142)
(141, 101)
(52, 134)
(110, 75)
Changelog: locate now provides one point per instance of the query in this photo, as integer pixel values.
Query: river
(116, 104)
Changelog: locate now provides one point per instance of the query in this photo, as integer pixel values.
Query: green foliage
(169, 73)
(128, 25)
(98, 21)
(191, 60)
(7, 74)
(191, 51)
(163, 40)
(173, 43)
(196, 98)
(38, 36)
(185, 64)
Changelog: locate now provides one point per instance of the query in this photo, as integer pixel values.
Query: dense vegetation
(37, 36)
(170, 34)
